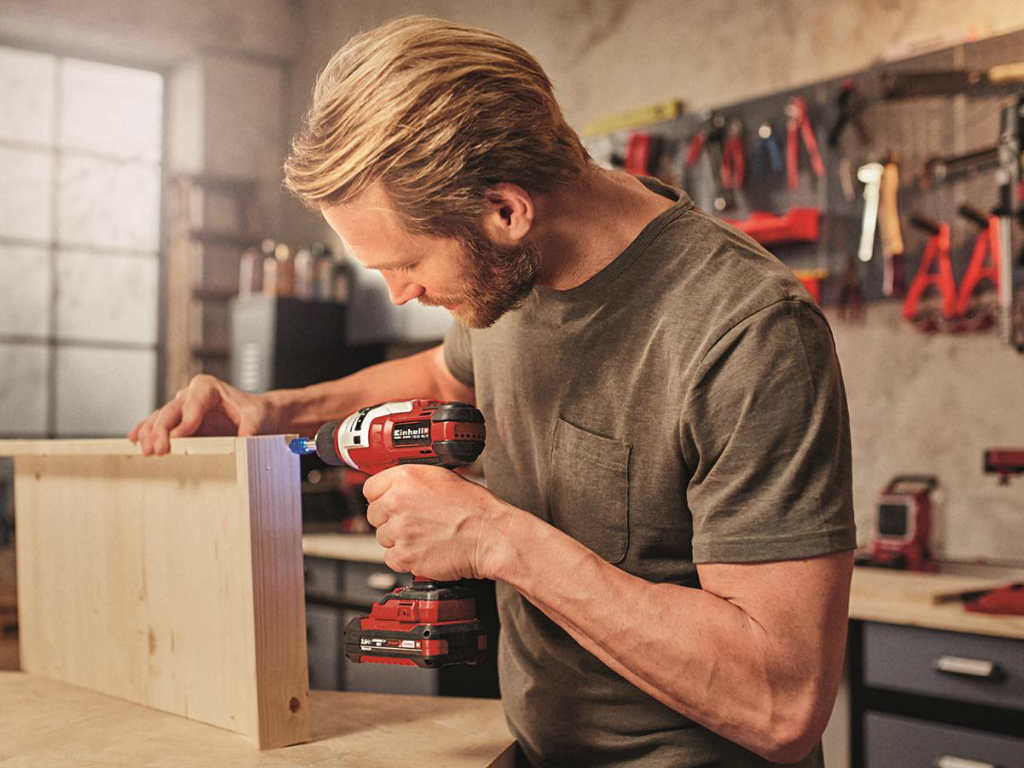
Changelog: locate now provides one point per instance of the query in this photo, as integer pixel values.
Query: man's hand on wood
(207, 406)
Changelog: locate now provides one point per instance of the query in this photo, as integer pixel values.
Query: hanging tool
(734, 160)
(917, 84)
(903, 528)
(985, 263)
(851, 104)
(643, 153)
(939, 170)
(767, 147)
(1011, 206)
(797, 122)
(870, 175)
(893, 276)
(710, 138)
(430, 623)
(937, 248)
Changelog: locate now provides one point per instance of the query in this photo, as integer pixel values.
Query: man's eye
(406, 267)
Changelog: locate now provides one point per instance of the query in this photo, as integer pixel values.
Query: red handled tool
(797, 123)
(937, 249)
(430, 623)
(986, 246)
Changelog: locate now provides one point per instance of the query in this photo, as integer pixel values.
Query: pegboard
(909, 131)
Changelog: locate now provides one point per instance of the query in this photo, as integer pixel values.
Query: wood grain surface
(171, 581)
(915, 599)
(47, 724)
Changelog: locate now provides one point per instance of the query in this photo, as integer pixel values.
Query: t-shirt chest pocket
(588, 489)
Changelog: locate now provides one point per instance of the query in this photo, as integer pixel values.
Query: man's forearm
(303, 410)
(698, 653)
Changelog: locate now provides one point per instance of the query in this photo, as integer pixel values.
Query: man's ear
(509, 213)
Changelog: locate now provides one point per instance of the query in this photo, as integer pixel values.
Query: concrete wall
(918, 404)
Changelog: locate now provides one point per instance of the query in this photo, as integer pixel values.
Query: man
(669, 515)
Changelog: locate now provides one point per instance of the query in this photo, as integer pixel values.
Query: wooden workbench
(902, 597)
(47, 724)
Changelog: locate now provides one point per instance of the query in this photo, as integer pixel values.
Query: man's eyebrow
(390, 264)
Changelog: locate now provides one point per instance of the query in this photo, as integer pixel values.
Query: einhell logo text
(417, 433)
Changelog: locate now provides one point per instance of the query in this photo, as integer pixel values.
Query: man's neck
(583, 228)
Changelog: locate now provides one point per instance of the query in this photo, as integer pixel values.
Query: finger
(134, 434)
(395, 563)
(146, 434)
(379, 484)
(384, 538)
(193, 410)
(376, 515)
(169, 416)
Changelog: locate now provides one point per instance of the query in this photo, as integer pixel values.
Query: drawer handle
(958, 665)
(381, 581)
(949, 761)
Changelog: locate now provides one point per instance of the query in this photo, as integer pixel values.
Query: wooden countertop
(877, 594)
(359, 547)
(47, 724)
(902, 597)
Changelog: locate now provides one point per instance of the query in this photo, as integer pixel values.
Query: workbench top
(877, 594)
(913, 599)
(47, 724)
(356, 547)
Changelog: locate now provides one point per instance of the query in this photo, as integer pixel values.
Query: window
(80, 159)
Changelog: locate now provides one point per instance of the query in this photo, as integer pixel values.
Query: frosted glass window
(26, 187)
(22, 399)
(27, 94)
(103, 392)
(111, 110)
(81, 147)
(24, 290)
(108, 204)
(107, 298)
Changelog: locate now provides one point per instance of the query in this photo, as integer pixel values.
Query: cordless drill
(429, 623)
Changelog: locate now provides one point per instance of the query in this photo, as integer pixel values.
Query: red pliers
(734, 159)
(797, 121)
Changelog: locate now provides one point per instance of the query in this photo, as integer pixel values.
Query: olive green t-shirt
(684, 405)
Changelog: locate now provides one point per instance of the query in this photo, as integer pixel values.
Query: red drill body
(427, 624)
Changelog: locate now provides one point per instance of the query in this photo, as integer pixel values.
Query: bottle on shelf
(269, 267)
(250, 273)
(285, 270)
(304, 274)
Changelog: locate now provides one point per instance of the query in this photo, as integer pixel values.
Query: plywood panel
(171, 581)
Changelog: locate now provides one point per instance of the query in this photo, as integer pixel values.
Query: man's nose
(401, 290)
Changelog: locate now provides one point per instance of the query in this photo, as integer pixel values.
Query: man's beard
(498, 279)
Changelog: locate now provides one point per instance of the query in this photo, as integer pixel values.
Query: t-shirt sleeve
(458, 353)
(765, 432)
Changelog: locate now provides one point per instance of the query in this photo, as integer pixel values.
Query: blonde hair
(438, 113)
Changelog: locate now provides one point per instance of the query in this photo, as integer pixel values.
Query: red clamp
(937, 248)
(986, 244)
(798, 122)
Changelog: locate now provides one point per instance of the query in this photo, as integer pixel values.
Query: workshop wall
(928, 404)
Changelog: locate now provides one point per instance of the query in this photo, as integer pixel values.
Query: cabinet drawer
(323, 575)
(972, 668)
(902, 742)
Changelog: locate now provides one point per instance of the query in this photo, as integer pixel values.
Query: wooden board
(47, 724)
(172, 581)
